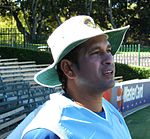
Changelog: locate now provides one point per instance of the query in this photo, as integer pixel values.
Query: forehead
(99, 41)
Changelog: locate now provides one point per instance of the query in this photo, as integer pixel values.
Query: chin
(111, 84)
(106, 85)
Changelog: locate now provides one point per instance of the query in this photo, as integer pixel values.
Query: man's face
(96, 66)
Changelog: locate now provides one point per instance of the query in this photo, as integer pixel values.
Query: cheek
(90, 68)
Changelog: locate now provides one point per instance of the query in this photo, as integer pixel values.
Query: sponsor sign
(130, 96)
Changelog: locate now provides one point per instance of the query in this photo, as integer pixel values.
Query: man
(83, 65)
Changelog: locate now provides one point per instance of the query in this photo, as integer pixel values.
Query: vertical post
(120, 53)
(130, 54)
(138, 54)
(12, 37)
(127, 59)
(124, 53)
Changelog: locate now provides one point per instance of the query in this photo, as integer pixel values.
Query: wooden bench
(16, 79)
(22, 94)
(8, 60)
(9, 120)
(17, 63)
(23, 76)
(119, 78)
(11, 67)
(34, 66)
(8, 63)
(3, 76)
(18, 76)
(10, 76)
(12, 93)
(14, 67)
(20, 71)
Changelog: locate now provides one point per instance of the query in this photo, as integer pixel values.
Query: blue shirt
(62, 118)
(42, 133)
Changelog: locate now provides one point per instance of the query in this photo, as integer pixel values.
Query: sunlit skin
(94, 75)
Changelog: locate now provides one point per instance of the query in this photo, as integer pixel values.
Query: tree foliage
(43, 16)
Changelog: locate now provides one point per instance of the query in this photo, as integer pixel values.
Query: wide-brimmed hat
(69, 35)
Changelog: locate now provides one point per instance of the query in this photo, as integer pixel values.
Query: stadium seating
(9, 120)
(19, 90)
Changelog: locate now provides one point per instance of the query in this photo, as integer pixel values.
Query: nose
(108, 60)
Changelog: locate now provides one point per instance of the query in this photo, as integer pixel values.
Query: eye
(109, 50)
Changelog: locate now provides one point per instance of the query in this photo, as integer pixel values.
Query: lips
(109, 73)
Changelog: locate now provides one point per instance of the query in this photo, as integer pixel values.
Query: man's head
(90, 65)
(74, 32)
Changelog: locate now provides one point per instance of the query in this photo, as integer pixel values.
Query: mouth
(109, 74)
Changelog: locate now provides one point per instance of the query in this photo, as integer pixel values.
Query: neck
(89, 100)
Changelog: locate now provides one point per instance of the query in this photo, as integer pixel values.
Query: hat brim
(48, 77)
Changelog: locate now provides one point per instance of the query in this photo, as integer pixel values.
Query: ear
(67, 68)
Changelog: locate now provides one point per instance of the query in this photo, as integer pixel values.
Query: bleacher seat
(17, 87)
(9, 120)
(8, 60)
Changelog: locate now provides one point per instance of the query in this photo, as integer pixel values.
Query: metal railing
(132, 55)
(11, 37)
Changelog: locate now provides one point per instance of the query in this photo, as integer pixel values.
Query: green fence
(132, 55)
(11, 37)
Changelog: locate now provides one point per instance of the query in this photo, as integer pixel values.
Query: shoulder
(116, 118)
(107, 104)
(40, 133)
(111, 109)
(50, 113)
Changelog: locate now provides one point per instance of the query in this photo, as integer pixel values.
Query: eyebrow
(90, 49)
(96, 46)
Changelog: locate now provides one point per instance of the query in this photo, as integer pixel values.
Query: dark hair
(73, 57)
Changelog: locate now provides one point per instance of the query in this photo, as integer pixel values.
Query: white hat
(69, 35)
